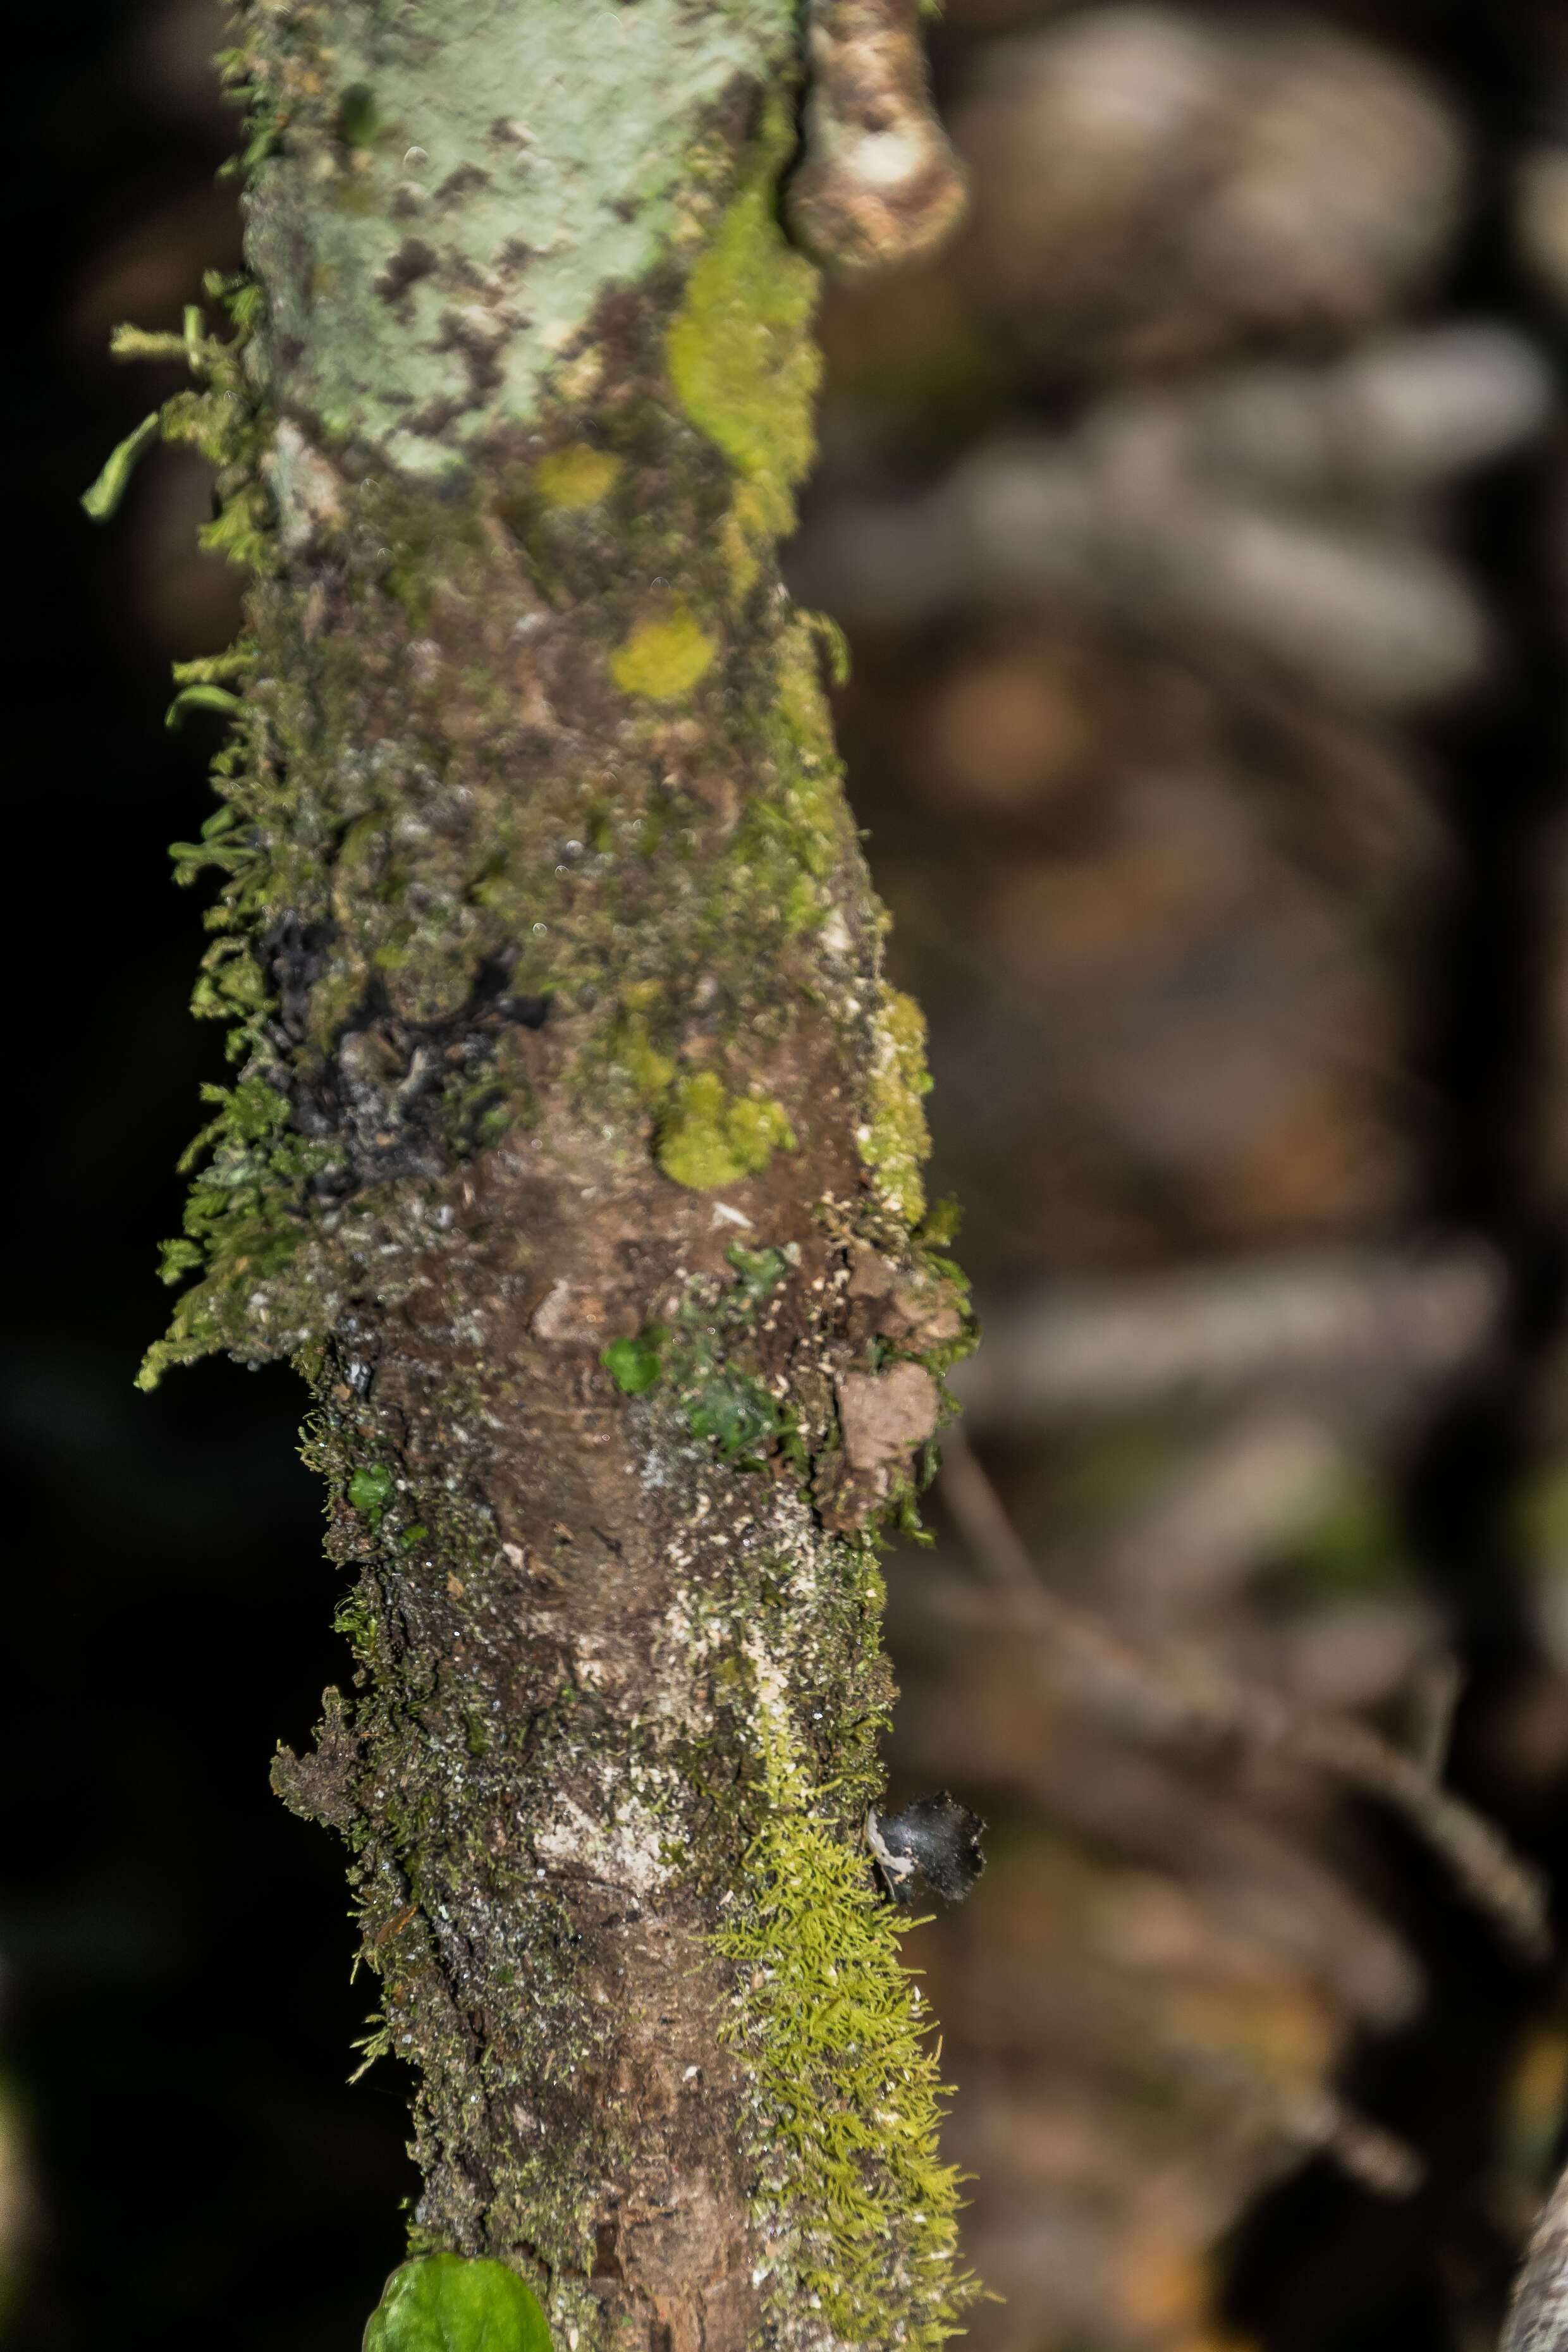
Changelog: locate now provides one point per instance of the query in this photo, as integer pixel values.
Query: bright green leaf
(635, 1364)
(440, 2303)
(106, 493)
(370, 1489)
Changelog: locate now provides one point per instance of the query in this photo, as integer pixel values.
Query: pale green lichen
(894, 1141)
(665, 658)
(857, 2210)
(709, 1137)
(741, 354)
(438, 185)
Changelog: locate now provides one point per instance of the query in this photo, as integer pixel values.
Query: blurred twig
(1176, 1696)
(1347, 1318)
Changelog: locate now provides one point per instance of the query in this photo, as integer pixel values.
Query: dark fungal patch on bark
(934, 1839)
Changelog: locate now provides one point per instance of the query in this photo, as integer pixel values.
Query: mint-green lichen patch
(664, 659)
(454, 232)
(710, 1138)
(894, 1141)
(860, 2210)
(741, 354)
(441, 2302)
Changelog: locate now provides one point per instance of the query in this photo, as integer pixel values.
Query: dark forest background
(1198, 526)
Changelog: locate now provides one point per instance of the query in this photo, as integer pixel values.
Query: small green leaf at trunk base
(441, 2302)
(370, 1489)
(635, 1364)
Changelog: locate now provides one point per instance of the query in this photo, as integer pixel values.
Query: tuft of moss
(664, 659)
(859, 2211)
(709, 1137)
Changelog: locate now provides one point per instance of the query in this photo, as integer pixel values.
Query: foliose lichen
(709, 1137)
(664, 658)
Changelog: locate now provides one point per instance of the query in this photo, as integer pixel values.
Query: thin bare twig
(1175, 1695)
(1333, 1321)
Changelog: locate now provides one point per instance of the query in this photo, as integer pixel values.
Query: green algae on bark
(573, 1149)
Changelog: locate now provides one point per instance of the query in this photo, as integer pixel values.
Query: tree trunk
(574, 1149)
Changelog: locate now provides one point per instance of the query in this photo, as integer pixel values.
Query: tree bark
(574, 1149)
(1537, 2312)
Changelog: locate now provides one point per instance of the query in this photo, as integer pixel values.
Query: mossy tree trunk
(574, 1149)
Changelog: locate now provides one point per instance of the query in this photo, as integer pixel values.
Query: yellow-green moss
(709, 1137)
(575, 476)
(859, 2211)
(664, 659)
(740, 352)
(895, 1140)
(632, 1051)
(742, 531)
(815, 803)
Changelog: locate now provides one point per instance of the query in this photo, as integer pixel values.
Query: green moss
(102, 501)
(736, 1415)
(860, 2212)
(710, 1138)
(741, 354)
(707, 1357)
(576, 477)
(664, 659)
(806, 827)
(895, 1140)
(631, 1050)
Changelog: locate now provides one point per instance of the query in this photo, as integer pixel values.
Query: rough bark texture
(575, 1148)
(1538, 2315)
